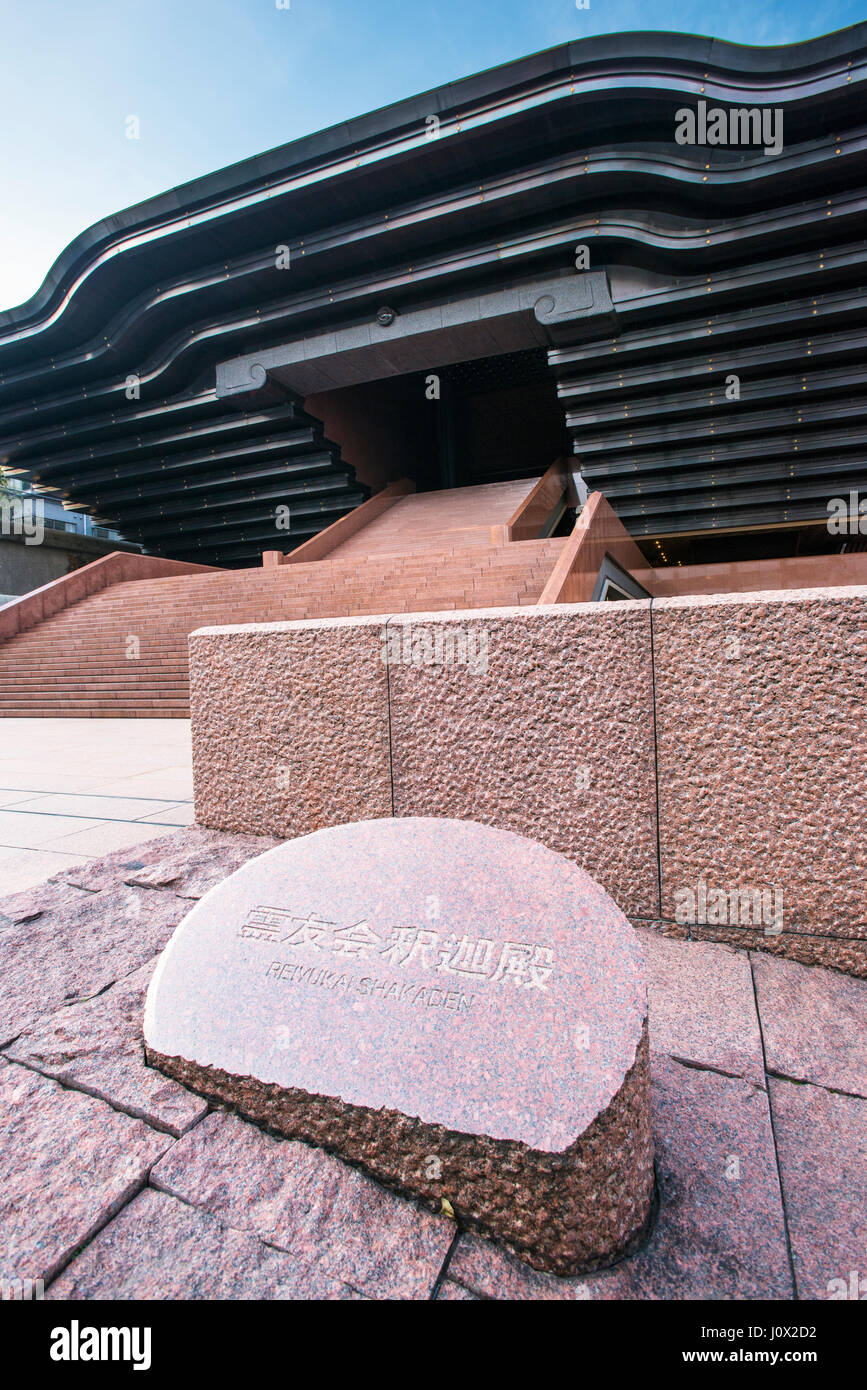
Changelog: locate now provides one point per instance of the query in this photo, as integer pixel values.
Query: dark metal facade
(721, 261)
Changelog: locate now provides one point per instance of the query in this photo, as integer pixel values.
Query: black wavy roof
(720, 259)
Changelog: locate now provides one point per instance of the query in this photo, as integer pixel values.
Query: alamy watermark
(413, 644)
(737, 125)
(730, 907)
(21, 1290)
(77, 1343)
(847, 517)
(855, 1287)
(22, 516)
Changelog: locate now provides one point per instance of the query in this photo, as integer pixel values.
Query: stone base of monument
(456, 1009)
(565, 1212)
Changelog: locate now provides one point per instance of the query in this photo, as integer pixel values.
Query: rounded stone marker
(457, 1009)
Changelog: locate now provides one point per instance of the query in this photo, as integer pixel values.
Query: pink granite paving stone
(197, 860)
(329, 1217)
(831, 952)
(822, 1146)
(72, 951)
(97, 1047)
(451, 1292)
(36, 902)
(158, 1248)
(69, 1162)
(702, 1006)
(109, 870)
(813, 1023)
(457, 1009)
(719, 1231)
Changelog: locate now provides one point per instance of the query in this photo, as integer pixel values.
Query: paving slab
(813, 1022)
(455, 1293)
(702, 1005)
(822, 1145)
(28, 869)
(159, 1248)
(71, 788)
(89, 755)
(310, 1204)
(69, 1162)
(20, 830)
(53, 894)
(34, 779)
(97, 1047)
(719, 1230)
(94, 807)
(183, 813)
(101, 837)
(19, 774)
(168, 785)
(10, 797)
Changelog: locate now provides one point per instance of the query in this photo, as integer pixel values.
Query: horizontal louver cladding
(722, 261)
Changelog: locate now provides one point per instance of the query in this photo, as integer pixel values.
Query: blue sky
(213, 81)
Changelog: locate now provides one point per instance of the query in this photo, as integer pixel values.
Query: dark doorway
(503, 419)
(488, 420)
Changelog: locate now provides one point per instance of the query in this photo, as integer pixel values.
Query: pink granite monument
(455, 1008)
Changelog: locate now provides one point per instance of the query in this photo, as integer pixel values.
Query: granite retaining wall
(701, 757)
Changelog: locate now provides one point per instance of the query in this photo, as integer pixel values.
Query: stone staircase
(122, 653)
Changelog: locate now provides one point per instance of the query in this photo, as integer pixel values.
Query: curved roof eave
(234, 179)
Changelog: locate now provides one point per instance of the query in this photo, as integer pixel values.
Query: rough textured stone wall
(744, 714)
(290, 725)
(538, 721)
(546, 729)
(762, 746)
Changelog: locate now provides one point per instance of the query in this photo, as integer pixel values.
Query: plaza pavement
(74, 789)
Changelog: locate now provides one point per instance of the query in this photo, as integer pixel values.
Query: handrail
(528, 521)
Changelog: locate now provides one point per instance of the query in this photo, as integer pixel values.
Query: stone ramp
(424, 522)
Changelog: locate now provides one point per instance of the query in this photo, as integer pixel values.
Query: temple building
(631, 266)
